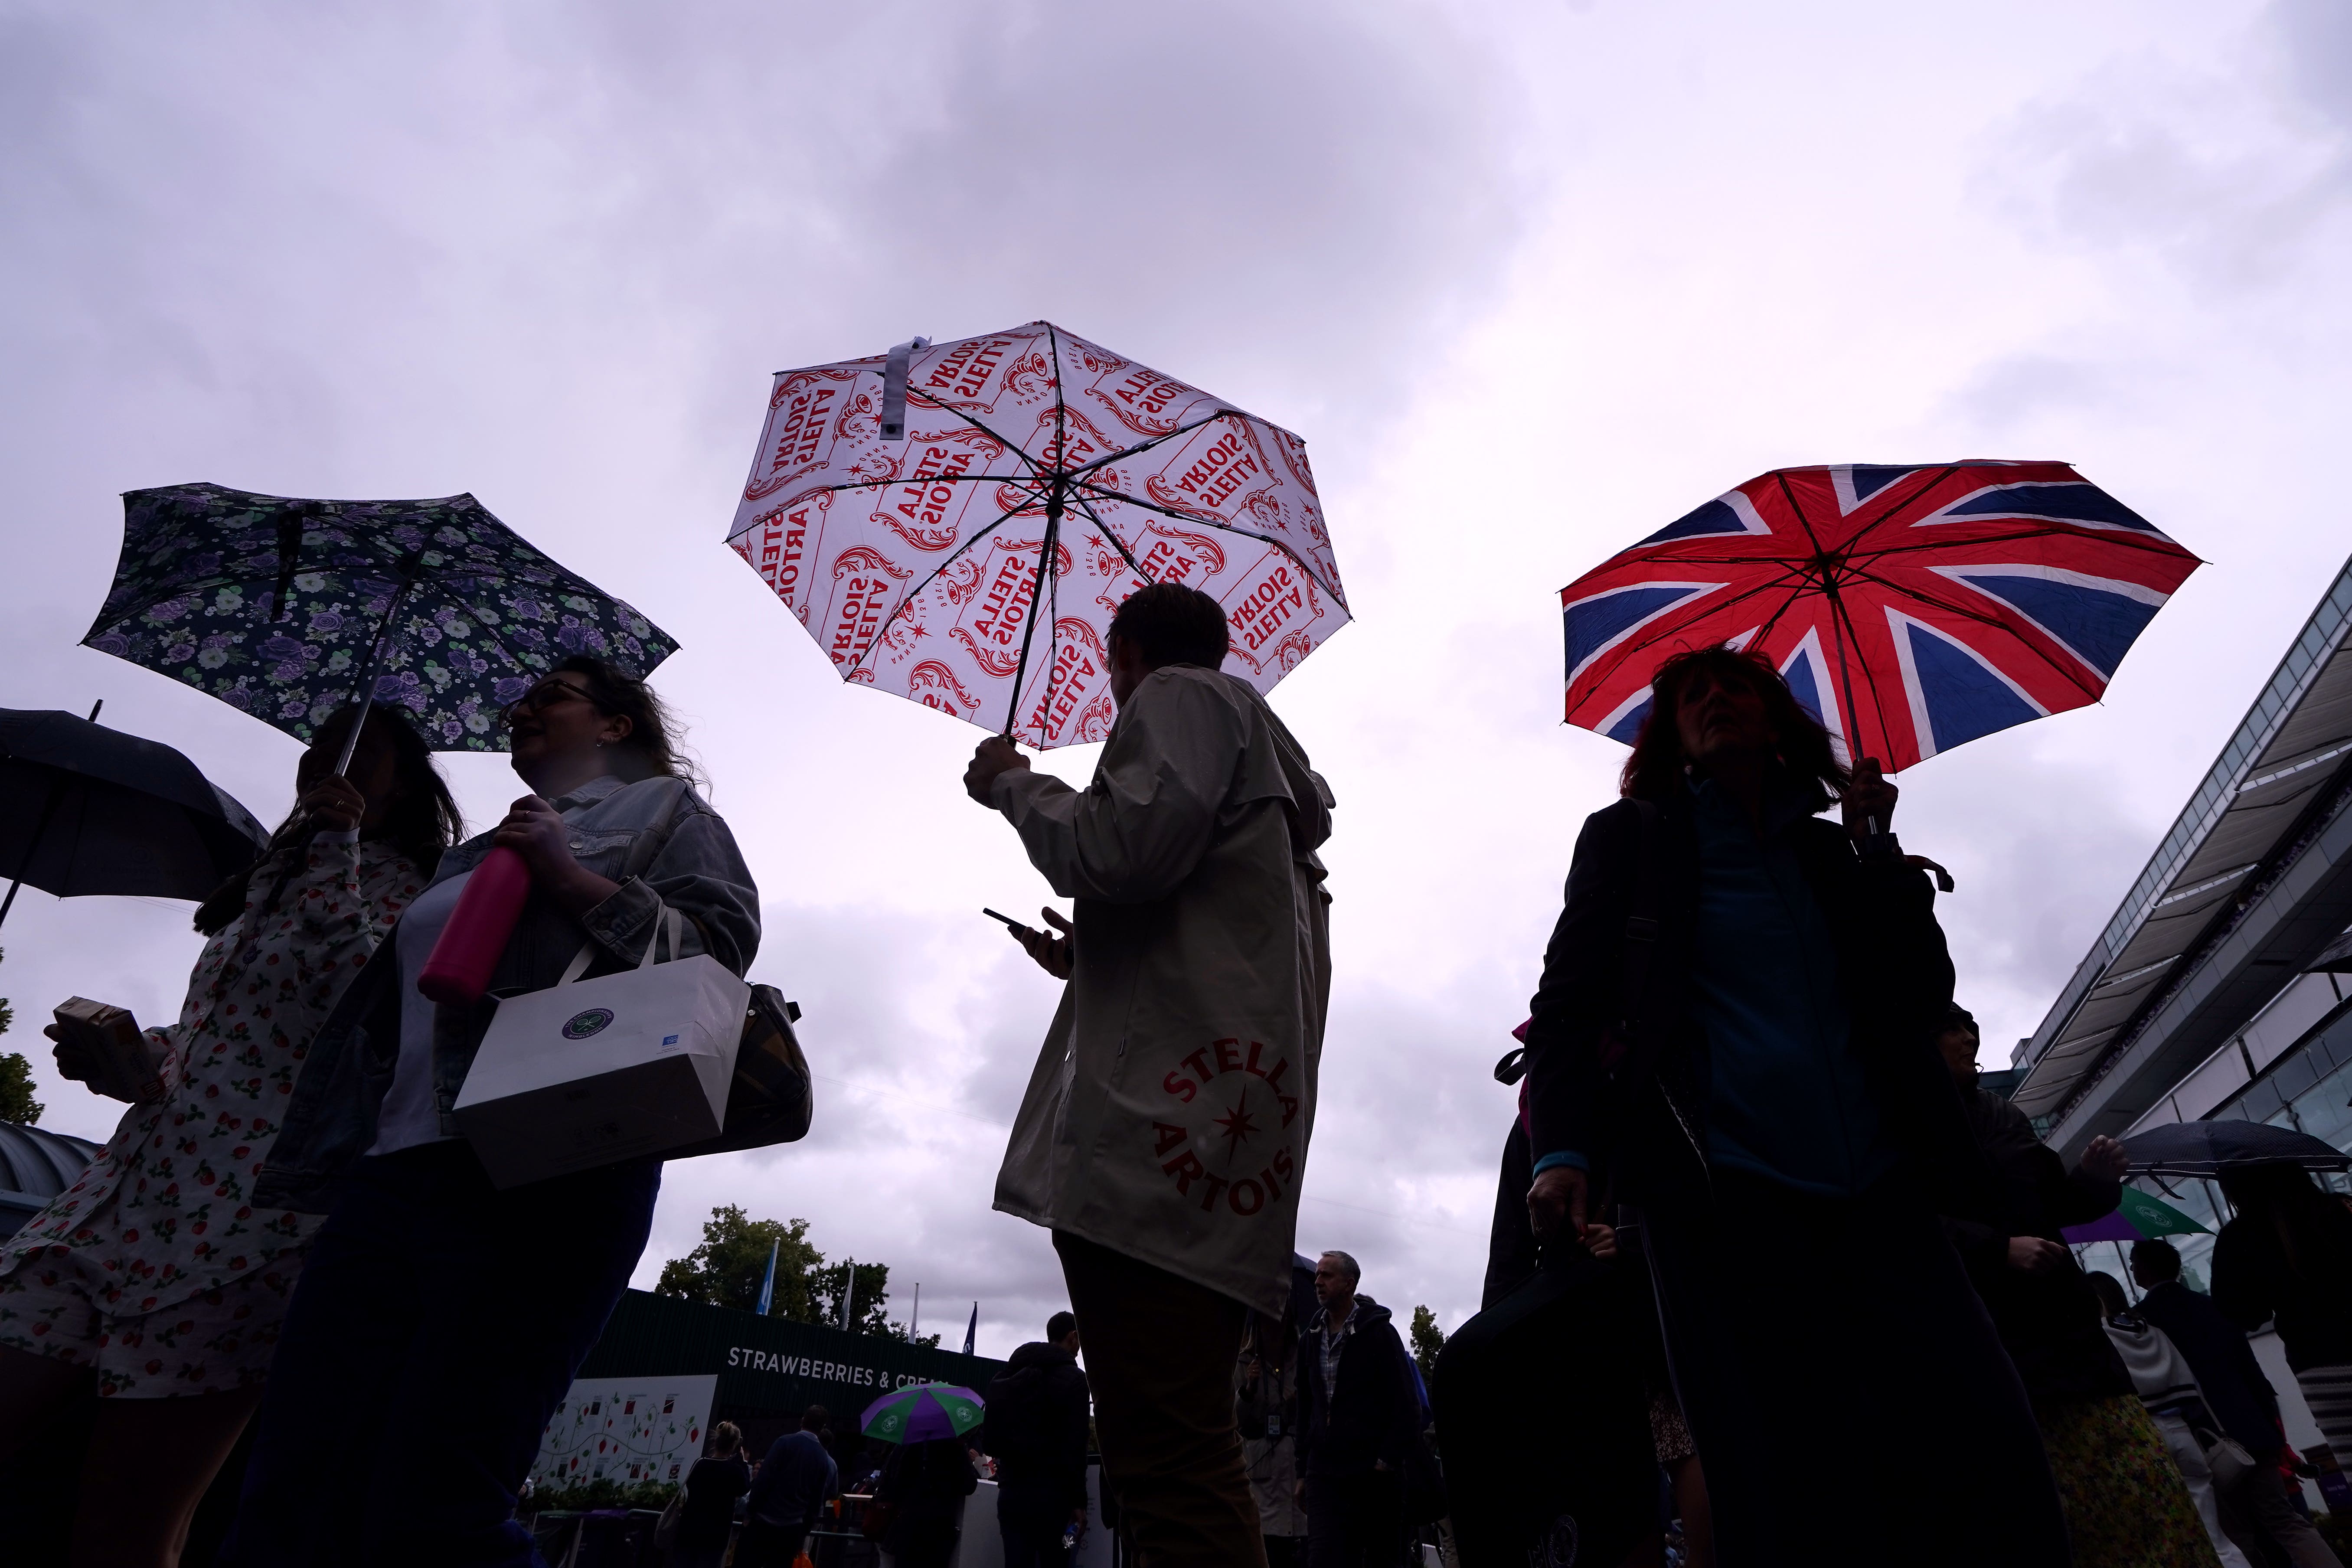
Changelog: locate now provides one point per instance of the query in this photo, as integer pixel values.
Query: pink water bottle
(458, 968)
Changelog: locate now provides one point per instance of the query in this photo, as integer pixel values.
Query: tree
(1428, 1339)
(727, 1269)
(17, 1101)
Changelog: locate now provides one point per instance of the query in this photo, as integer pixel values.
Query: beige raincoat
(1169, 1113)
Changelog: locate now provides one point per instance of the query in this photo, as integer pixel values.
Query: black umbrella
(86, 809)
(2209, 1148)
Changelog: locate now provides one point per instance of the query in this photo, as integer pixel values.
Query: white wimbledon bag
(591, 1072)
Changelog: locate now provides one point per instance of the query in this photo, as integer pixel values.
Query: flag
(971, 1330)
(768, 1286)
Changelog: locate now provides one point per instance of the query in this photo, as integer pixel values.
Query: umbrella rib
(1894, 508)
(1869, 679)
(2046, 531)
(1670, 625)
(1149, 442)
(1304, 564)
(1010, 446)
(1979, 616)
(1780, 477)
(1116, 542)
(912, 594)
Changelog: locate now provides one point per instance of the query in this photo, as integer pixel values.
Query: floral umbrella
(286, 609)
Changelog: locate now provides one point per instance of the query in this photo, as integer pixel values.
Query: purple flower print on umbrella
(288, 608)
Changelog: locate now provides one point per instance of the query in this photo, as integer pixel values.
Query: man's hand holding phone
(1053, 953)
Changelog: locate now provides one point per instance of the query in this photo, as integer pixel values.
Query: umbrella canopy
(2140, 1217)
(1912, 608)
(954, 523)
(2209, 1148)
(84, 809)
(922, 1412)
(284, 608)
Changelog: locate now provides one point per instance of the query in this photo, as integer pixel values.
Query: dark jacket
(1037, 1425)
(796, 1479)
(657, 837)
(712, 1487)
(1646, 1108)
(2049, 1322)
(2235, 1388)
(1512, 1255)
(923, 1482)
(1371, 1414)
(2253, 1282)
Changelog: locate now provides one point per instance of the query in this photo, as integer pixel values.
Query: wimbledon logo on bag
(580, 1025)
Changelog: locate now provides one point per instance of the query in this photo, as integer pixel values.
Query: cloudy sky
(1530, 279)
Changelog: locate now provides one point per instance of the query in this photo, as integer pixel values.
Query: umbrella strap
(893, 388)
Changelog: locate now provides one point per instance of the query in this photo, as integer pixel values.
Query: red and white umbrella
(1911, 608)
(955, 522)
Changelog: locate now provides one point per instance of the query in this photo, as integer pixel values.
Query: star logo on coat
(1238, 1125)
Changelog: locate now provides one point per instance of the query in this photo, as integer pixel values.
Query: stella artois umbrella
(955, 522)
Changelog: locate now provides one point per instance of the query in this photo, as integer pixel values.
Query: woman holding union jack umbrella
(1736, 1021)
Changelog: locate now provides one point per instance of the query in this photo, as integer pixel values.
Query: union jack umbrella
(1911, 608)
(916, 509)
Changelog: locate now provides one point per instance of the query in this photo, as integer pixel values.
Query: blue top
(1787, 1101)
(795, 1480)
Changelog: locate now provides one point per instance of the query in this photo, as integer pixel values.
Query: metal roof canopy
(2253, 880)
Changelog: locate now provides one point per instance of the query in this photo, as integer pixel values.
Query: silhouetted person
(1164, 1132)
(1738, 1010)
(1036, 1432)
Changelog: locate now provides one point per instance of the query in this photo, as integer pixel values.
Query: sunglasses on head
(541, 696)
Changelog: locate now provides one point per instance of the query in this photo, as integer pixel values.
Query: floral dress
(153, 1269)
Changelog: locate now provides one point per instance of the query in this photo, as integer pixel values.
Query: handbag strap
(669, 923)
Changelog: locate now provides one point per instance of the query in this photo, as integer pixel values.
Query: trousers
(2189, 1455)
(1802, 1333)
(1030, 1519)
(2253, 1491)
(438, 1324)
(1354, 1521)
(1160, 1352)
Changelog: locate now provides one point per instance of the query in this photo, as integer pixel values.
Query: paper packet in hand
(122, 1064)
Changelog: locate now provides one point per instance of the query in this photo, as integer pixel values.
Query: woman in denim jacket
(440, 1320)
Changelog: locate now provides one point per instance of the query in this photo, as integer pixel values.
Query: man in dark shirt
(1038, 1408)
(794, 1482)
(2240, 1398)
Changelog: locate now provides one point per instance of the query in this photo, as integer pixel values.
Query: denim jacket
(695, 869)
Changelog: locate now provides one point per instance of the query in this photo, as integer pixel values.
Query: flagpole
(848, 1292)
(915, 1318)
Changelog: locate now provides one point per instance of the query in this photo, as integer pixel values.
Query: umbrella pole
(366, 683)
(48, 809)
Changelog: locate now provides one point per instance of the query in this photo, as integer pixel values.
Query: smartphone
(1008, 920)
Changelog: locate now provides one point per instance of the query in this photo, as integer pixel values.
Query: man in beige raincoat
(1164, 1132)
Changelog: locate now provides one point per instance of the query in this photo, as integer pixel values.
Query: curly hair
(1655, 769)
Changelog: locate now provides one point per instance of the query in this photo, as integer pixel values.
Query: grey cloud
(2210, 168)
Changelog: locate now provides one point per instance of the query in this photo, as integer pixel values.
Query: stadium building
(2220, 985)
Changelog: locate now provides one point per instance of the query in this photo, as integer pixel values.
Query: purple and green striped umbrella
(923, 1413)
(2139, 1217)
